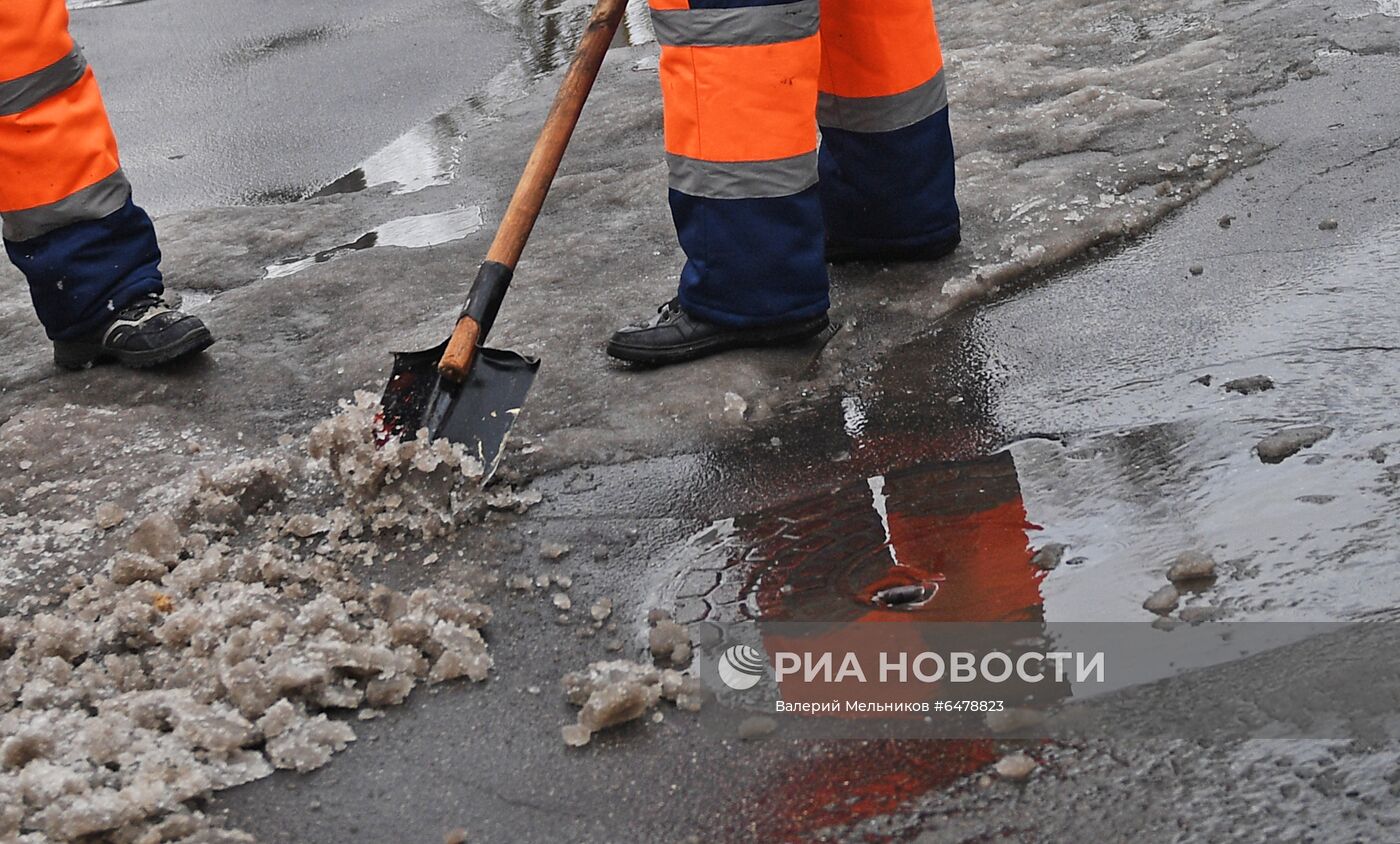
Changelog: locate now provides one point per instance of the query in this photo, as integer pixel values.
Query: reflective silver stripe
(91, 203)
(742, 27)
(742, 179)
(883, 114)
(28, 91)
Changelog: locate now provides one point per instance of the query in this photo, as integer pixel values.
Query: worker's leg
(739, 81)
(887, 156)
(69, 222)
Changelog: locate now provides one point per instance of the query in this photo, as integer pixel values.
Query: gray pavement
(1085, 374)
(237, 103)
(1104, 358)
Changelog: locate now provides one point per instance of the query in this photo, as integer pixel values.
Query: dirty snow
(225, 639)
(612, 693)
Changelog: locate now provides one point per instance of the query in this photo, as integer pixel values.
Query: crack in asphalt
(1394, 144)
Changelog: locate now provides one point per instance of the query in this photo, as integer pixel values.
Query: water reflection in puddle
(409, 232)
(75, 5)
(942, 542)
(429, 155)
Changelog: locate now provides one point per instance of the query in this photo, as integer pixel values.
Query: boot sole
(753, 338)
(76, 356)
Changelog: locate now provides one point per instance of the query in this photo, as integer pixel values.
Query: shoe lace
(142, 306)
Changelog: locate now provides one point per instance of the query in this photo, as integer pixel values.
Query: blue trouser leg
(80, 275)
(884, 190)
(752, 261)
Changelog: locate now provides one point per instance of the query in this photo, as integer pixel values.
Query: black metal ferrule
(487, 294)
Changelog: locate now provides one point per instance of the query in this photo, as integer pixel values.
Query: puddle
(76, 5)
(921, 493)
(408, 232)
(939, 542)
(426, 156)
(551, 28)
(429, 155)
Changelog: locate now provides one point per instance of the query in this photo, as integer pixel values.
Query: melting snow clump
(228, 640)
(612, 693)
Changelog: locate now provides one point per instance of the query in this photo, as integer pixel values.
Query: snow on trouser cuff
(82, 273)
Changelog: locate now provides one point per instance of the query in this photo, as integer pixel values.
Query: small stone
(110, 515)
(1203, 380)
(1197, 269)
(601, 609)
(1048, 557)
(455, 836)
(757, 727)
(1017, 767)
(734, 406)
(1250, 385)
(1328, 225)
(1226, 221)
(1162, 601)
(562, 601)
(551, 550)
(520, 583)
(1191, 565)
(1377, 454)
(1280, 446)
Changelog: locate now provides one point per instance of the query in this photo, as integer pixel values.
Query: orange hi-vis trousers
(752, 89)
(68, 220)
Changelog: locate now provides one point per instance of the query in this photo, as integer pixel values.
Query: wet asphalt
(222, 102)
(1096, 393)
(1084, 390)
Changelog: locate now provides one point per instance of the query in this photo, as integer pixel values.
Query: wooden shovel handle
(461, 350)
(535, 181)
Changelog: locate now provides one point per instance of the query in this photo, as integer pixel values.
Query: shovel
(462, 390)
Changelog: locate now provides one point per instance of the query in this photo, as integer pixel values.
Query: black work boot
(145, 333)
(674, 336)
(846, 253)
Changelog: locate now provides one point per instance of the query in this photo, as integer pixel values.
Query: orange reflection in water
(940, 543)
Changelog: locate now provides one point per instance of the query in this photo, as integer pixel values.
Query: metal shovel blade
(479, 412)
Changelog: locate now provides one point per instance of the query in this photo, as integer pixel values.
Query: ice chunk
(128, 568)
(309, 744)
(616, 692)
(158, 537)
(670, 641)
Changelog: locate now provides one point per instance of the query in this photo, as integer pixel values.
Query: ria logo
(741, 667)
